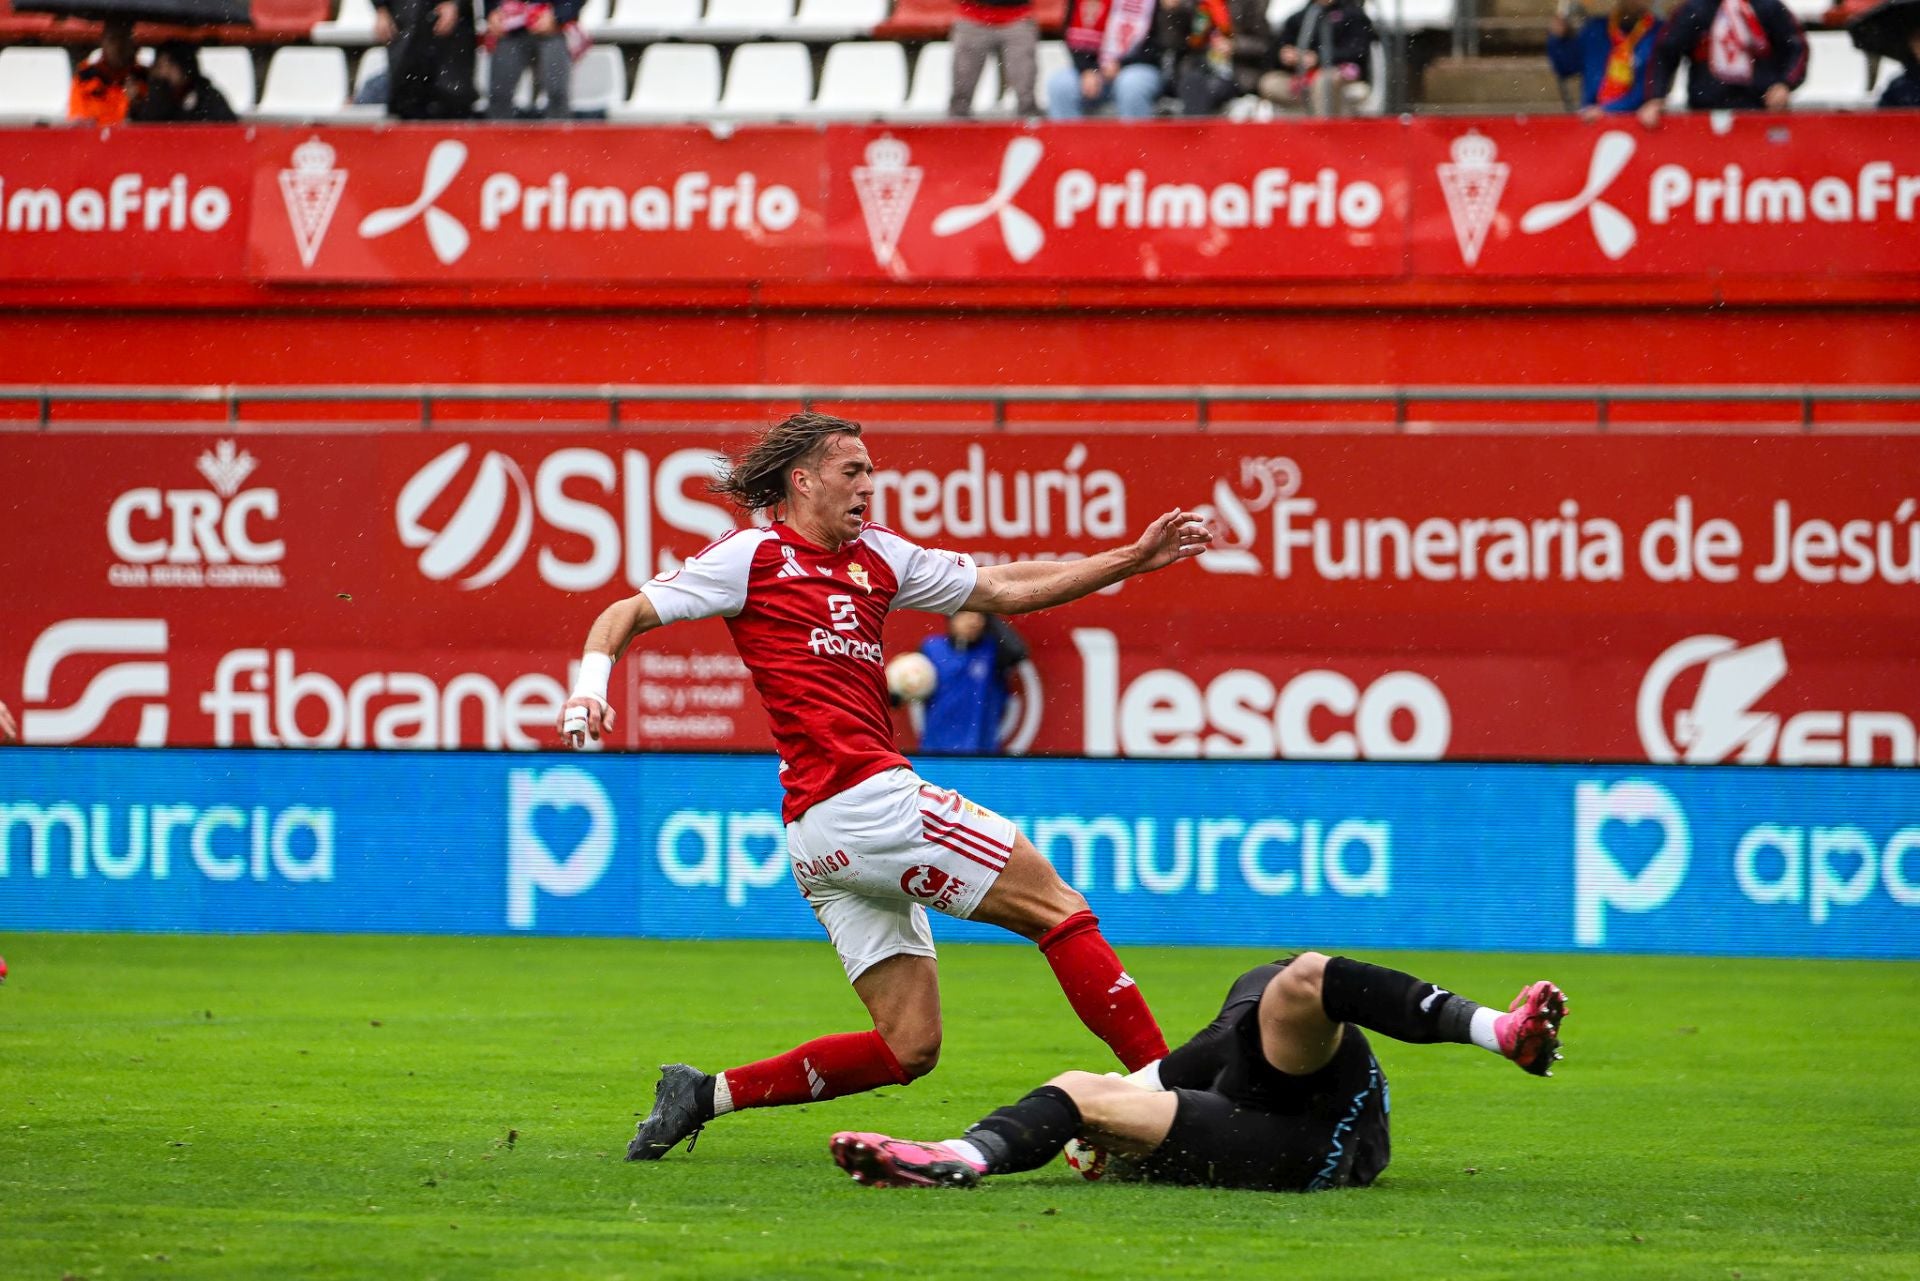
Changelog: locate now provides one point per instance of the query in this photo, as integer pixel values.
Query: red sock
(1101, 992)
(826, 1068)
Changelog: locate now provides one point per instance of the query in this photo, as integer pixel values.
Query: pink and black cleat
(1529, 1033)
(880, 1162)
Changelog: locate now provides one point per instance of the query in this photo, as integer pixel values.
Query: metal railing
(426, 401)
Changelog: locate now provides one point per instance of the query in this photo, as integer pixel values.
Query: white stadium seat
(1836, 73)
(230, 67)
(594, 15)
(931, 96)
(599, 80)
(745, 19)
(1410, 15)
(837, 19)
(639, 20)
(352, 26)
(372, 63)
(768, 81)
(1808, 10)
(862, 80)
(34, 84)
(1053, 56)
(304, 82)
(674, 82)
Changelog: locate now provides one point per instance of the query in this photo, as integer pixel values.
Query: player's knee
(1298, 985)
(917, 1055)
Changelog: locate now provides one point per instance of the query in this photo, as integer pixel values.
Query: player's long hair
(756, 478)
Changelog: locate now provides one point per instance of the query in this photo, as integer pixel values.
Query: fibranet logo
(139, 638)
(1723, 724)
(195, 537)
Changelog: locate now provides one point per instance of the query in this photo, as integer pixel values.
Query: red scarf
(517, 14)
(1618, 78)
(1113, 28)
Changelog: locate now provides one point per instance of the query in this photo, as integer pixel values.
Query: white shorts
(874, 858)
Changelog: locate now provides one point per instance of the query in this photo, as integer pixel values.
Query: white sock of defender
(722, 1095)
(1147, 1078)
(967, 1152)
(1482, 1030)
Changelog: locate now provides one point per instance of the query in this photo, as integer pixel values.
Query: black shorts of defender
(1261, 1129)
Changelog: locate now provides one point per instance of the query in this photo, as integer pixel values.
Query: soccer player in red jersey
(872, 844)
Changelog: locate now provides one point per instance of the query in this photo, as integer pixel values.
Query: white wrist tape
(595, 669)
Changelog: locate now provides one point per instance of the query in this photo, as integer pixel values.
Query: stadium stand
(353, 25)
(599, 81)
(635, 21)
(932, 90)
(862, 80)
(1837, 73)
(837, 19)
(34, 84)
(231, 69)
(772, 81)
(745, 19)
(674, 82)
(304, 82)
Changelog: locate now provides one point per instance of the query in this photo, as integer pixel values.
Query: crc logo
(77, 637)
(213, 537)
(473, 521)
(933, 885)
(1722, 725)
(560, 834)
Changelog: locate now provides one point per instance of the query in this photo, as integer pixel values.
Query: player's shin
(1402, 1006)
(1025, 1135)
(824, 1068)
(1101, 991)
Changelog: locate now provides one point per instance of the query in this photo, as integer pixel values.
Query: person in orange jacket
(110, 81)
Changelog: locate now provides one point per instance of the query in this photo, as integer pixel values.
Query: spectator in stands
(1904, 90)
(1116, 59)
(1747, 55)
(1006, 29)
(544, 37)
(111, 80)
(1217, 51)
(973, 663)
(1325, 51)
(177, 93)
(1609, 53)
(429, 58)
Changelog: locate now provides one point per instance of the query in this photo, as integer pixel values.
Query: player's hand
(9, 732)
(1174, 535)
(585, 717)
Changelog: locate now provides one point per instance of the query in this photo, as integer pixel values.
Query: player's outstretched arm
(1024, 586)
(587, 713)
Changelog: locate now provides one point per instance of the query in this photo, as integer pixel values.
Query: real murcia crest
(886, 185)
(312, 190)
(1472, 183)
(858, 574)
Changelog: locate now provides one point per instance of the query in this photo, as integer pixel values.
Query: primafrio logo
(80, 638)
(446, 235)
(1722, 724)
(194, 537)
(1613, 231)
(453, 549)
(1022, 234)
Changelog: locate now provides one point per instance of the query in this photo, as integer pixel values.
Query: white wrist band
(595, 669)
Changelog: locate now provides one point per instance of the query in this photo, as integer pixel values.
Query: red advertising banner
(1443, 197)
(1381, 597)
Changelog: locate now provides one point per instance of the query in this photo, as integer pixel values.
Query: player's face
(838, 493)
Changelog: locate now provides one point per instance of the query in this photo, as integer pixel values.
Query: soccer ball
(911, 678)
(1084, 1159)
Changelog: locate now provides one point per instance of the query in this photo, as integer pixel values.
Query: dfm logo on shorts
(473, 522)
(88, 637)
(932, 884)
(560, 835)
(198, 537)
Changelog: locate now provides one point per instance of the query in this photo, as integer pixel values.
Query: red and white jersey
(807, 625)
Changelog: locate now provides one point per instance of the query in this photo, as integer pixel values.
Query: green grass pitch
(401, 1108)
